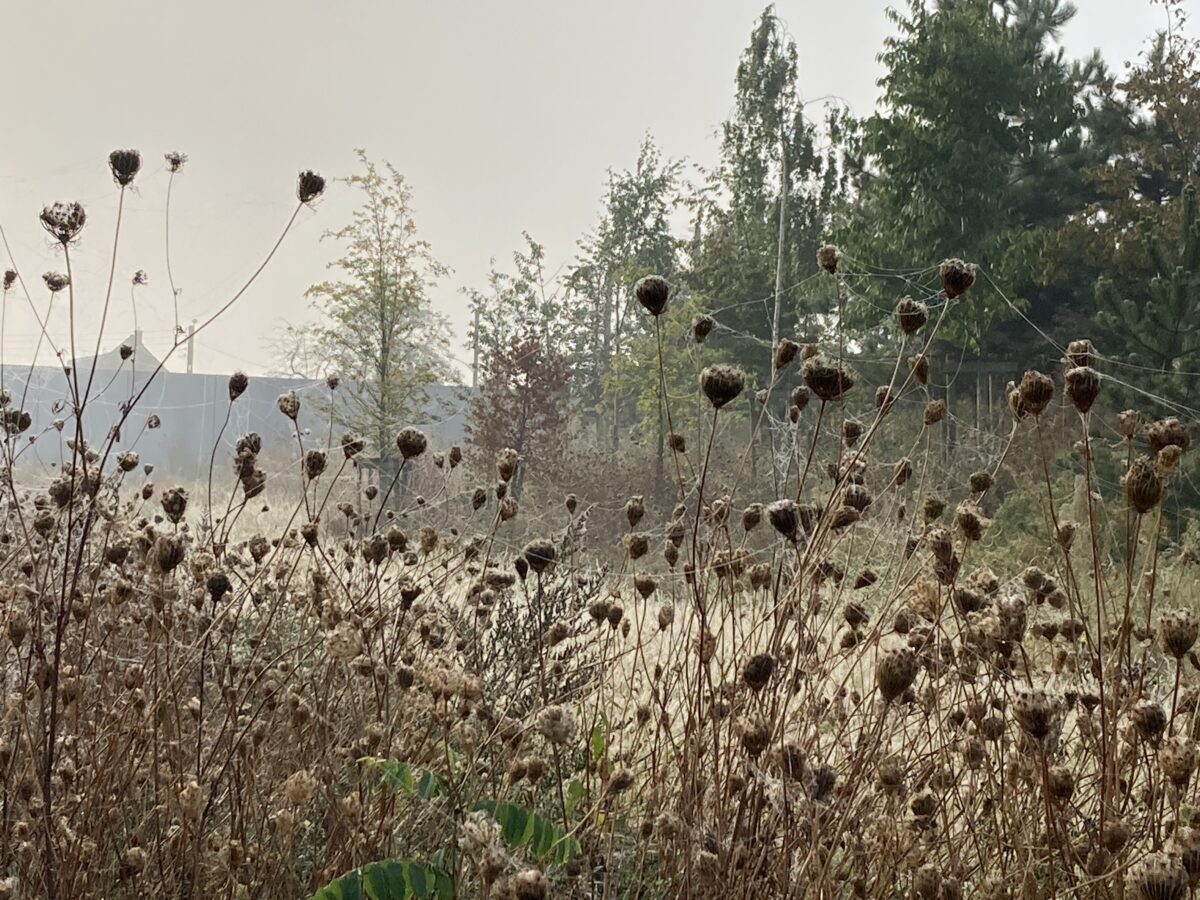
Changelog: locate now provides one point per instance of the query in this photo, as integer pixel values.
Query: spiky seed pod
(895, 671)
(957, 277)
(124, 165)
(1178, 630)
(635, 508)
(758, 671)
(911, 315)
(289, 405)
(919, 366)
(411, 442)
(652, 292)
(645, 584)
(1157, 877)
(1035, 391)
(785, 351)
(1167, 433)
(1081, 353)
(702, 326)
(1149, 718)
(784, 518)
(63, 221)
(1143, 485)
(309, 186)
(752, 516)
(827, 380)
(827, 258)
(1083, 387)
(539, 554)
(1034, 711)
(722, 384)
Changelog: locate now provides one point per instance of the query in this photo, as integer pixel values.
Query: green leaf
(391, 879)
(598, 743)
(575, 795)
(401, 776)
(522, 828)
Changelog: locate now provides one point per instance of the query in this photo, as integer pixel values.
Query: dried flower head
(722, 384)
(539, 554)
(827, 380)
(919, 366)
(702, 326)
(911, 315)
(1178, 630)
(652, 292)
(785, 351)
(1157, 876)
(175, 160)
(10, 278)
(124, 165)
(784, 517)
(827, 258)
(895, 671)
(957, 277)
(238, 382)
(1167, 433)
(1083, 387)
(63, 221)
(1036, 391)
(309, 186)
(1143, 485)
(411, 442)
(289, 405)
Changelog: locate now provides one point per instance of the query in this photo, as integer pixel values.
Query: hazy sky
(504, 116)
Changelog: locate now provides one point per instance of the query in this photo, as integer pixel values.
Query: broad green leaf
(392, 879)
(401, 776)
(599, 742)
(522, 828)
(575, 795)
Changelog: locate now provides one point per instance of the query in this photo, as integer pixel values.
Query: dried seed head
(10, 278)
(800, 397)
(309, 186)
(506, 464)
(827, 258)
(1149, 718)
(63, 221)
(314, 463)
(652, 292)
(175, 160)
(784, 518)
(666, 615)
(55, 281)
(1177, 631)
(352, 445)
(927, 883)
(702, 326)
(1143, 485)
(411, 442)
(752, 516)
(174, 504)
(635, 508)
(721, 384)
(539, 554)
(895, 672)
(935, 411)
(1081, 353)
(1083, 387)
(902, 471)
(1167, 433)
(1035, 391)
(971, 521)
(289, 405)
(645, 584)
(637, 544)
(238, 382)
(827, 380)
(957, 277)
(758, 671)
(785, 351)
(911, 315)
(1178, 757)
(919, 366)
(124, 165)
(1034, 711)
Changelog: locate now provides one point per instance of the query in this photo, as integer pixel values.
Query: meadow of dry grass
(826, 686)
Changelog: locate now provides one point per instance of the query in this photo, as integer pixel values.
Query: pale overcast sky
(504, 116)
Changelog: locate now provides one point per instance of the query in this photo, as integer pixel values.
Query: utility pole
(783, 198)
(475, 351)
(191, 346)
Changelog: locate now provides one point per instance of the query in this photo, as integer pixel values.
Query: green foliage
(393, 879)
(977, 152)
(378, 328)
(401, 776)
(523, 829)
